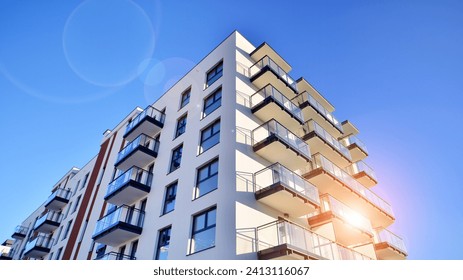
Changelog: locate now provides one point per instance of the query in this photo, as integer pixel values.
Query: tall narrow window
(212, 102)
(169, 200)
(85, 180)
(77, 204)
(185, 99)
(203, 234)
(176, 158)
(214, 74)
(58, 255)
(76, 188)
(162, 249)
(133, 249)
(66, 231)
(210, 136)
(181, 126)
(207, 178)
(121, 253)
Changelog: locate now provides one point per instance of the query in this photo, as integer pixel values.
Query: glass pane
(199, 222)
(211, 215)
(203, 240)
(208, 185)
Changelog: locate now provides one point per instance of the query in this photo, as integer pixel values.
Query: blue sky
(71, 69)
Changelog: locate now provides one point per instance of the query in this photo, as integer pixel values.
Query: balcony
(389, 246)
(19, 233)
(276, 143)
(357, 149)
(267, 71)
(112, 256)
(285, 191)
(38, 247)
(331, 179)
(350, 228)
(140, 152)
(149, 122)
(48, 222)
(58, 199)
(312, 109)
(363, 173)
(282, 240)
(6, 253)
(129, 187)
(119, 226)
(269, 103)
(320, 141)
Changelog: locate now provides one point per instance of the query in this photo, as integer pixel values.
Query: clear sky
(71, 69)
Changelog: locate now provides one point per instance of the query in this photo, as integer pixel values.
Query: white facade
(254, 214)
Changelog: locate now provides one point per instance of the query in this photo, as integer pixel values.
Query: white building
(236, 161)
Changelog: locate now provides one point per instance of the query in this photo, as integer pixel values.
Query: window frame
(185, 101)
(184, 119)
(160, 239)
(215, 100)
(217, 74)
(213, 134)
(167, 200)
(204, 229)
(198, 181)
(179, 158)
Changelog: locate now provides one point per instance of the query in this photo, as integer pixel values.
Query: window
(57, 236)
(67, 210)
(85, 180)
(101, 176)
(210, 136)
(163, 244)
(58, 255)
(76, 188)
(100, 251)
(133, 249)
(181, 126)
(212, 102)
(176, 158)
(203, 234)
(77, 203)
(51, 256)
(214, 74)
(185, 98)
(169, 200)
(68, 227)
(207, 178)
(121, 252)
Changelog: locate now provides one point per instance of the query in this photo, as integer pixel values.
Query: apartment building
(237, 160)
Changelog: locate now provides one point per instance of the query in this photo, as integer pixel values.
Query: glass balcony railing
(141, 141)
(306, 97)
(283, 232)
(360, 166)
(111, 256)
(384, 235)
(268, 62)
(50, 216)
(135, 174)
(59, 193)
(41, 241)
(320, 161)
(122, 214)
(311, 125)
(349, 140)
(272, 127)
(345, 213)
(270, 91)
(148, 112)
(21, 230)
(277, 173)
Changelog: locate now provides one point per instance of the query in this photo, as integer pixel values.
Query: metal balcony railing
(273, 66)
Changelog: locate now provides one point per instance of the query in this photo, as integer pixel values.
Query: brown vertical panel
(85, 200)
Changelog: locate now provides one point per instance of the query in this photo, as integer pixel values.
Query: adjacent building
(237, 160)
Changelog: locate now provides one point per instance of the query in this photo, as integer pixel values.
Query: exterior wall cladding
(236, 161)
